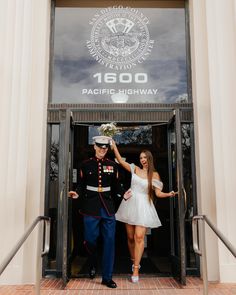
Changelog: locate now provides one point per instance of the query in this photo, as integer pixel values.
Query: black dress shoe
(92, 272)
(109, 283)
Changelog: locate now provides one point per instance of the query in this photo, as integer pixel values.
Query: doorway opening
(156, 257)
(168, 249)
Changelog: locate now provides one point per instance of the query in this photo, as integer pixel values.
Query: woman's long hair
(150, 171)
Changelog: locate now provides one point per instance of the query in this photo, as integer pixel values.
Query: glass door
(58, 183)
(65, 178)
(177, 204)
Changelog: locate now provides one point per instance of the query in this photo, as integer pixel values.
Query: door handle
(62, 190)
(185, 200)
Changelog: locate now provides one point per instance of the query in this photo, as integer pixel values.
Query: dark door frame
(125, 113)
(178, 247)
(87, 113)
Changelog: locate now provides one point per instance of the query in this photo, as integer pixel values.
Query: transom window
(119, 52)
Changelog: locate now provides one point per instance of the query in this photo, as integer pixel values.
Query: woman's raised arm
(121, 161)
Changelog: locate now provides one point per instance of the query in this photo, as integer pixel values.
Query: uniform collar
(99, 160)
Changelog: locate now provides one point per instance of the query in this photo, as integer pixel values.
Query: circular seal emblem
(119, 37)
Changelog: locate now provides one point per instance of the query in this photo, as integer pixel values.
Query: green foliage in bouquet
(108, 129)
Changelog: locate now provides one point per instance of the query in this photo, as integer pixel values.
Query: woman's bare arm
(121, 161)
(158, 192)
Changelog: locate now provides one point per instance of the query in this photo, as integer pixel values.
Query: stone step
(148, 285)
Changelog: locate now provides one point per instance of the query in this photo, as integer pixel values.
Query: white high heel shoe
(135, 279)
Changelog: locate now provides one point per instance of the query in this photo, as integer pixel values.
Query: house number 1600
(121, 77)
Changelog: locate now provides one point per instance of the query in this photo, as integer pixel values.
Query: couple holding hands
(98, 185)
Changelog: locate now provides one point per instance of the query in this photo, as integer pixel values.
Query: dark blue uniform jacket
(98, 174)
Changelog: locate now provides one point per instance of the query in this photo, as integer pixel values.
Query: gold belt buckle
(100, 189)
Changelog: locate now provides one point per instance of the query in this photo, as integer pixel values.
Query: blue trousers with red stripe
(105, 225)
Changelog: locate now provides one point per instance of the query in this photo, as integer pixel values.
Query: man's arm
(73, 194)
(79, 188)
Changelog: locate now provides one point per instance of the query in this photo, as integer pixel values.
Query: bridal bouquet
(108, 129)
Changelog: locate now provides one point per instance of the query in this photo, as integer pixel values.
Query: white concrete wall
(213, 47)
(24, 60)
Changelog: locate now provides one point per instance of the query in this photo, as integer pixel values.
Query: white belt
(98, 189)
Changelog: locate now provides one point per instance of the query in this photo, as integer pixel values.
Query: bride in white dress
(137, 210)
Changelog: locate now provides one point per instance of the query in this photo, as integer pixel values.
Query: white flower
(108, 129)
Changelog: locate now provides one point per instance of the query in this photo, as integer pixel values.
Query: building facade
(27, 36)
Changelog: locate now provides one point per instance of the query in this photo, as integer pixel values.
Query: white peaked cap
(102, 141)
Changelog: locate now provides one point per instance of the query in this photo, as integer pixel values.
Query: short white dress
(138, 210)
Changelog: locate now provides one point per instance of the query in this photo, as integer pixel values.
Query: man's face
(100, 152)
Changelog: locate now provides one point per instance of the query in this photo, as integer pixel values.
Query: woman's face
(143, 160)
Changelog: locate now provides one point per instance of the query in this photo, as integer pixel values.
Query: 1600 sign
(139, 78)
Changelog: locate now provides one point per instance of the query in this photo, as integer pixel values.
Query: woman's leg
(130, 239)
(139, 234)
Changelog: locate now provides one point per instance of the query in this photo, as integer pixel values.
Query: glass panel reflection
(119, 55)
(187, 145)
(174, 186)
(141, 135)
(53, 194)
